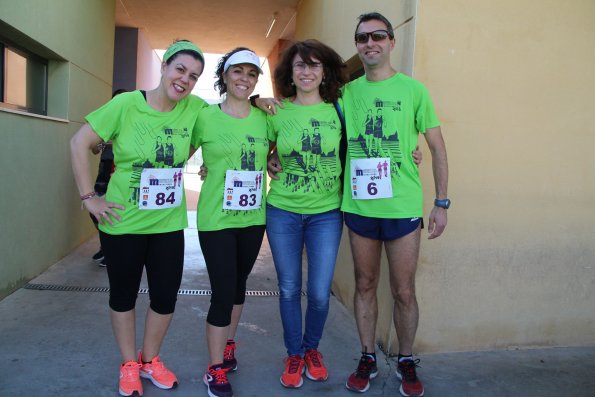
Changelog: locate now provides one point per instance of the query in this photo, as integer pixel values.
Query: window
(23, 80)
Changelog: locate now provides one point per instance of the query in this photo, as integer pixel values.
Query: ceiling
(215, 26)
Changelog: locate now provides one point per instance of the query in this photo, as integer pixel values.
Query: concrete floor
(59, 343)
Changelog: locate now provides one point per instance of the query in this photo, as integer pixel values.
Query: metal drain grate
(195, 292)
(52, 287)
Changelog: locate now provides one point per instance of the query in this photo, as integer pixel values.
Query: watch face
(445, 203)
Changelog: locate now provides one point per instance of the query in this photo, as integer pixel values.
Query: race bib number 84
(371, 179)
(243, 190)
(161, 188)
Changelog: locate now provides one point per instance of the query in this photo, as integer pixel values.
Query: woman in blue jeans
(303, 203)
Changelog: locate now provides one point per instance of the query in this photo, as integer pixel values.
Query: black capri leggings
(229, 255)
(163, 256)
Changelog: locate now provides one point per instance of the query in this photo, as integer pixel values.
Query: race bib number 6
(243, 190)
(161, 188)
(371, 179)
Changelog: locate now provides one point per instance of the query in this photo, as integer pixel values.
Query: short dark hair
(334, 74)
(376, 16)
(219, 83)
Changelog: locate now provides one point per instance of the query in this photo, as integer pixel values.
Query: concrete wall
(148, 68)
(40, 216)
(125, 58)
(136, 64)
(509, 79)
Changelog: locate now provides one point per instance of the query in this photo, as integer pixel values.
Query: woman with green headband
(143, 214)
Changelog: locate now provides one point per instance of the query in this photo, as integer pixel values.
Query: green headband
(181, 46)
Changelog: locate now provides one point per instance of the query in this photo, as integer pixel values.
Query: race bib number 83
(243, 190)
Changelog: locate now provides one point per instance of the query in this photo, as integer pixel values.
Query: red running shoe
(359, 381)
(292, 375)
(410, 383)
(315, 369)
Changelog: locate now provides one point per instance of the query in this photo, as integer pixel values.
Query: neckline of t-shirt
(395, 76)
(235, 118)
(300, 105)
(152, 109)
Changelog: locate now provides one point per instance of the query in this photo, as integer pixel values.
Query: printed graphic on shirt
(159, 154)
(375, 136)
(247, 186)
(240, 146)
(248, 157)
(309, 158)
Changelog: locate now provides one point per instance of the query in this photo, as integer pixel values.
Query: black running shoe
(229, 357)
(98, 256)
(216, 381)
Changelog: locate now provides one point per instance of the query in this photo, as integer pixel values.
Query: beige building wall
(148, 69)
(333, 22)
(40, 216)
(511, 81)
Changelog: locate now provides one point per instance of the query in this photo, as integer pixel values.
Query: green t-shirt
(235, 144)
(144, 138)
(384, 119)
(308, 140)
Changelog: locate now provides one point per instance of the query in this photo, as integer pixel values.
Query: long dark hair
(334, 75)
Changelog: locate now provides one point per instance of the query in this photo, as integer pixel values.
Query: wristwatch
(444, 203)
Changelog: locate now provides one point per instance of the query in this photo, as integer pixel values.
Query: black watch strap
(253, 100)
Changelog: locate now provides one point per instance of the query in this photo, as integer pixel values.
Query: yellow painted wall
(333, 22)
(512, 84)
(512, 81)
(40, 214)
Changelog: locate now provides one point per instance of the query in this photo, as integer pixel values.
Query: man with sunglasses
(383, 210)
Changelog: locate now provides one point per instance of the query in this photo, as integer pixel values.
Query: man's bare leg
(366, 264)
(403, 254)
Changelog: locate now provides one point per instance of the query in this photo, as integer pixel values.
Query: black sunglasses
(377, 35)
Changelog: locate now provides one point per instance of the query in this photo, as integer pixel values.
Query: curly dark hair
(219, 83)
(334, 74)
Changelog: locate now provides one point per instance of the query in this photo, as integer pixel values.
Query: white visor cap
(241, 57)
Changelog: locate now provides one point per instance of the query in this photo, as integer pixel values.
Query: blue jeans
(287, 233)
